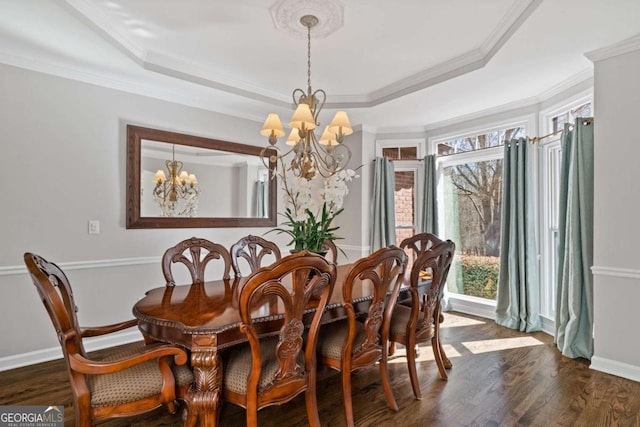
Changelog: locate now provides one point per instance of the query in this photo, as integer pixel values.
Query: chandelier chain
(309, 57)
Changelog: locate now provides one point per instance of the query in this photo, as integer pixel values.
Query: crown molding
(617, 49)
(137, 88)
(584, 79)
(475, 59)
(91, 15)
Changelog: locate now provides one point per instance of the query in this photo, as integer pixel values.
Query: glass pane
(478, 142)
(408, 153)
(472, 202)
(404, 205)
(391, 153)
(582, 111)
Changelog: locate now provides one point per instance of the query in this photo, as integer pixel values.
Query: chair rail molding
(85, 265)
(615, 272)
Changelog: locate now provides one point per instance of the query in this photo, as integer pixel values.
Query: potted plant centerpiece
(311, 209)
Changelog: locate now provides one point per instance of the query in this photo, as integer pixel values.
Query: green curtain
(518, 304)
(383, 217)
(429, 209)
(574, 299)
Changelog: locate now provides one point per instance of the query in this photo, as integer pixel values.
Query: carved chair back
(332, 250)
(298, 282)
(435, 263)
(364, 341)
(418, 244)
(253, 249)
(200, 253)
(56, 295)
(123, 383)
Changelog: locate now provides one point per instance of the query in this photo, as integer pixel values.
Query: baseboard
(548, 326)
(53, 353)
(471, 305)
(614, 367)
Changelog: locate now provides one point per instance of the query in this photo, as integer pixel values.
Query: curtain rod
(586, 121)
(404, 160)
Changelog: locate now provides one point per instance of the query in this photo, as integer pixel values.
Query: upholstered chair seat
(135, 383)
(333, 336)
(237, 369)
(400, 318)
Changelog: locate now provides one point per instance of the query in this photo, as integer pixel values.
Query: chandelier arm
(318, 107)
(320, 155)
(302, 96)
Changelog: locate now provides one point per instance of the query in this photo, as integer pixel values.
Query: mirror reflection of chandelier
(325, 155)
(179, 192)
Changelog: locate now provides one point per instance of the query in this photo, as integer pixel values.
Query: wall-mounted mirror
(184, 181)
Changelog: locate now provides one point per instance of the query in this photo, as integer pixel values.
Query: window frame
(466, 303)
(549, 170)
(407, 166)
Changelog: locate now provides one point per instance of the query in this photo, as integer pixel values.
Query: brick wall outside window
(404, 204)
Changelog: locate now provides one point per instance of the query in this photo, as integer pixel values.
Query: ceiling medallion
(286, 16)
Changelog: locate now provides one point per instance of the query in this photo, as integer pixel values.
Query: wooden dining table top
(180, 313)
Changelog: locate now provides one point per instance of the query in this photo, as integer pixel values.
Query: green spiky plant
(310, 232)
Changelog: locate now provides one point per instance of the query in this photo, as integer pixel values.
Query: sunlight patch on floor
(451, 321)
(486, 346)
(426, 354)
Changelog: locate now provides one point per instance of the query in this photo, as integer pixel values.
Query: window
(405, 205)
(550, 160)
(568, 116)
(406, 181)
(470, 204)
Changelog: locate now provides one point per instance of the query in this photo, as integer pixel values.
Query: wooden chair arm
(108, 329)
(86, 366)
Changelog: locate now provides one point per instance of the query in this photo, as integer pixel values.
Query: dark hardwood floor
(500, 377)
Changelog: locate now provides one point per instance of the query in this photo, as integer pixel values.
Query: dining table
(204, 318)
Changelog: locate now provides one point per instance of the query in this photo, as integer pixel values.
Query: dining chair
(414, 246)
(273, 369)
(201, 252)
(123, 383)
(420, 322)
(418, 244)
(353, 344)
(253, 249)
(332, 250)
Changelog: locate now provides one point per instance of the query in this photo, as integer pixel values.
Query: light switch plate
(94, 226)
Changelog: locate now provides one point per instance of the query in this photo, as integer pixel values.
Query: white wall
(63, 149)
(616, 215)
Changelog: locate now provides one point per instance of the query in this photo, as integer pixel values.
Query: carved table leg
(203, 398)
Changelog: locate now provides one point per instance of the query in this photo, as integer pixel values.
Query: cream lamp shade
(302, 118)
(328, 137)
(293, 138)
(272, 126)
(341, 124)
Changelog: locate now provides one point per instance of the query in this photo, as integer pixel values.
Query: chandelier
(326, 155)
(179, 192)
